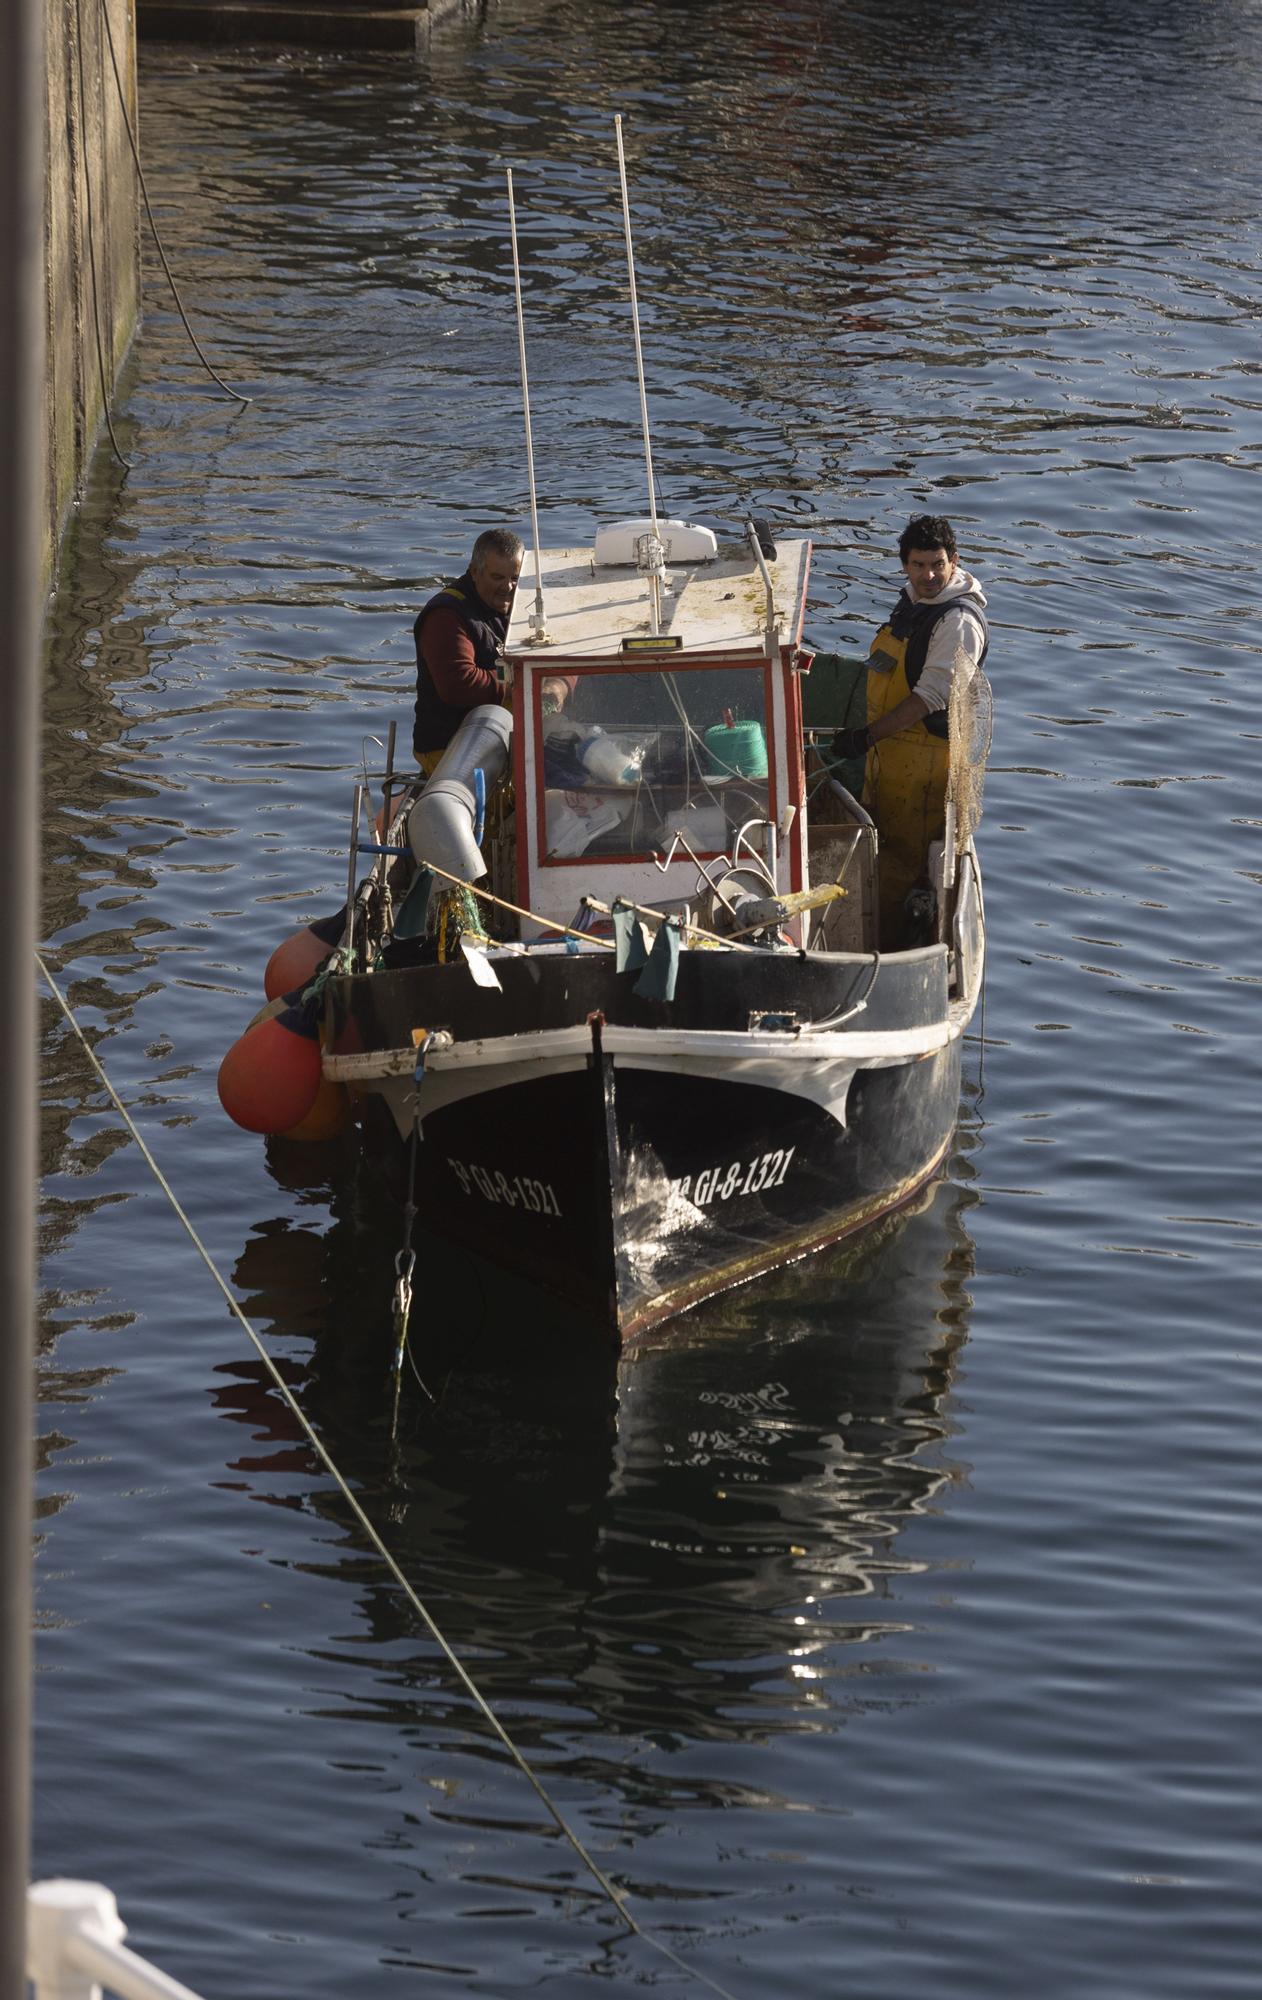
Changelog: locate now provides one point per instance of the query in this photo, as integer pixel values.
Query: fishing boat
(623, 986)
(666, 1047)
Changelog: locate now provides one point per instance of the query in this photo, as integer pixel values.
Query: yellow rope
(565, 930)
(709, 938)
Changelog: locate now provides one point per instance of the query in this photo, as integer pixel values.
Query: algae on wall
(91, 215)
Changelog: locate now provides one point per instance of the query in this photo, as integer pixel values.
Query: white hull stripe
(871, 1050)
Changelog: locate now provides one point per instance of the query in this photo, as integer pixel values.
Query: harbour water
(889, 1628)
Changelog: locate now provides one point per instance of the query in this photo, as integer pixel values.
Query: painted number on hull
(741, 1177)
(521, 1191)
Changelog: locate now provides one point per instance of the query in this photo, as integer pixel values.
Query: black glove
(848, 743)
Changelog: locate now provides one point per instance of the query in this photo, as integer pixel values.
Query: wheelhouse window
(634, 757)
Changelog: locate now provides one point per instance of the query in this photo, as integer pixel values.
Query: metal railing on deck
(75, 1949)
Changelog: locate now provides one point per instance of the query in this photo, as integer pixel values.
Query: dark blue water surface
(888, 1629)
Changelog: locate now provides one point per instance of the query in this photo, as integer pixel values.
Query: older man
(932, 644)
(460, 637)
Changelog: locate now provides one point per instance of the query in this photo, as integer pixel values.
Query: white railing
(75, 1949)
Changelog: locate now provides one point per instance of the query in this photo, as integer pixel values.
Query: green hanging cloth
(631, 952)
(657, 981)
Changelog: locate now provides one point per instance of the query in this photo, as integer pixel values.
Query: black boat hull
(631, 1192)
(633, 1157)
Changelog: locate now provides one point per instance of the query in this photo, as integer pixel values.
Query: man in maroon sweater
(460, 637)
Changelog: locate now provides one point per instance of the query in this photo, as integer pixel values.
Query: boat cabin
(656, 717)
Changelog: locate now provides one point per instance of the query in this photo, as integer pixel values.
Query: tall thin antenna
(538, 622)
(655, 555)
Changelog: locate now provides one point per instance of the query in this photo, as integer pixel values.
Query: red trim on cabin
(796, 744)
(519, 787)
(797, 768)
(541, 776)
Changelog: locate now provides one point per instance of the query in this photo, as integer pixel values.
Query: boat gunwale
(866, 1049)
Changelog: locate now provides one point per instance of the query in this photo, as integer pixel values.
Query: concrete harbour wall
(91, 210)
(92, 203)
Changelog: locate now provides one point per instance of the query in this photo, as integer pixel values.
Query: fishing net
(970, 716)
(453, 915)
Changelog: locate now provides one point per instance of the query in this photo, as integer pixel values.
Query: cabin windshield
(635, 757)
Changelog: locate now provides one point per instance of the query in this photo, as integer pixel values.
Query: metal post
(655, 556)
(352, 869)
(538, 621)
(387, 795)
(22, 97)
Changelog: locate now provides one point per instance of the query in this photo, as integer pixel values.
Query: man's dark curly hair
(926, 531)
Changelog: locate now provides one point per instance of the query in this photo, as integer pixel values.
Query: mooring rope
(140, 176)
(613, 1894)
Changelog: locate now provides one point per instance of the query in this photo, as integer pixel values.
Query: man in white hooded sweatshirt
(932, 644)
(936, 630)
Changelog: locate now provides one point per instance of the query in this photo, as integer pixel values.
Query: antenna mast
(653, 555)
(538, 622)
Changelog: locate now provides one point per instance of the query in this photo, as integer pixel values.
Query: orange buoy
(329, 1115)
(270, 1078)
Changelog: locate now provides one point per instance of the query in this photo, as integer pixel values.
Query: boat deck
(712, 607)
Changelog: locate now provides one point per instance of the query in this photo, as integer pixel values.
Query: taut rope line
(470, 1687)
(140, 176)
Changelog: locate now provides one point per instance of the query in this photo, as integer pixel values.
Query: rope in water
(144, 190)
(613, 1894)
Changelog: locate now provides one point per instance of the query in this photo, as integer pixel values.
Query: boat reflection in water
(659, 1545)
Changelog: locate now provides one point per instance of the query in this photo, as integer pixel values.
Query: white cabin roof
(718, 606)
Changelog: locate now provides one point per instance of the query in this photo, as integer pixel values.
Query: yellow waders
(904, 785)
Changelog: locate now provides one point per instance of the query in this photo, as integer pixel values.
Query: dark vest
(915, 623)
(436, 721)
